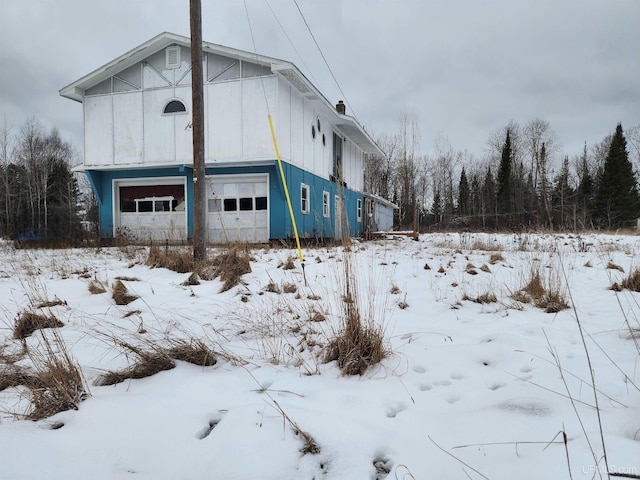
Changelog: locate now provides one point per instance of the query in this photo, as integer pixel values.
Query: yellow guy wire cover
(286, 189)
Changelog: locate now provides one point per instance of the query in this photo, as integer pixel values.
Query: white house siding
(98, 131)
(257, 141)
(223, 132)
(127, 128)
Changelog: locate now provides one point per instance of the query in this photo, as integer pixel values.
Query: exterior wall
(311, 225)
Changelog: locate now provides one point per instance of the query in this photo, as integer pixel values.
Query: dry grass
(289, 288)
(180, 261)
(155, 357)
(229, 266)
(632, 281)
(95, 287)
(120, 294)
(194, 351)
(613, 266)
(194, 279)
(57, 384)
(29, 322)
(485, 268)
(148, 363)
(51, 303)
(495, 258)
(487, 297)
(127, 279)
(15, 375)
(272, 288)
(549, 297)
(358, 344)
(471, 269)
(289, 264)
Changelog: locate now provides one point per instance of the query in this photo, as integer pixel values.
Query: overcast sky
(462, 69)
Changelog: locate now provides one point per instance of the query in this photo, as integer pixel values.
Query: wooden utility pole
(199, 185)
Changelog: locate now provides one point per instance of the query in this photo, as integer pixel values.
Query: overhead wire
(323, 57)
(275, 145)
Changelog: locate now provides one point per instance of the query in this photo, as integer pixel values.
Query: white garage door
(151, 209)
(238, 208)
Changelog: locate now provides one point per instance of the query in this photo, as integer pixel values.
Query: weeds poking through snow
(29, 322)
(495, 258)
(357, 345)
(550, 298)
(632, 281)
(194, 351)
(180, 261)
(95, 287)
(120, 294)
(613, 266)
(149, 362)
(57, 384)
(194, 279)
(229, 266)
(51, 303)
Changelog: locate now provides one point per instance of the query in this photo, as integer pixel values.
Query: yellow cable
(286, 189)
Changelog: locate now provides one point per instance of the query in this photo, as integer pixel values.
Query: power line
(323, 57)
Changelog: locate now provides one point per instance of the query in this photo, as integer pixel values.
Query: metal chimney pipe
(341, 108)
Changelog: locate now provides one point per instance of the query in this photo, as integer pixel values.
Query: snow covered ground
(469, 390)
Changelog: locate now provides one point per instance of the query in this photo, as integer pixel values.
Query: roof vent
(341, 108)
(172, 56)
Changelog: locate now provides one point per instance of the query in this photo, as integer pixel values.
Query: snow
(469, 390)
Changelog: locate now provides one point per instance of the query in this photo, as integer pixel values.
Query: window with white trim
(359, 209)
(325, 204)
(304, 198)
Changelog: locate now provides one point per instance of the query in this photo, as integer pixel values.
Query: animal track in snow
(496, 385)
(424, 387)
(442, 383)
(213, 422)
(453, 398)
(394, 409)
(457, 376)
(419, 369)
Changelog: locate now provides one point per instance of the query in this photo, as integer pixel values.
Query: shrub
(29, 322)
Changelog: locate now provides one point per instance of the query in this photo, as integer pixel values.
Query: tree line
(523, 180)
(39, 194)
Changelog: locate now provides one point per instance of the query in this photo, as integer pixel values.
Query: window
(175, 106)
(304, 198)
(325, 204)
(359, 209)
(151, 198)
(337, 157)
(313, 132)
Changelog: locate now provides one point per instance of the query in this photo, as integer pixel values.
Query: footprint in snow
(394, 409)
(213, 423)
(442, 383)
(419, 369)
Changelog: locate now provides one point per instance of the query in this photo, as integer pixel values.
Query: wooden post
(199, 185)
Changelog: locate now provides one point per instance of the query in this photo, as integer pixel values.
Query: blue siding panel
(310, 225)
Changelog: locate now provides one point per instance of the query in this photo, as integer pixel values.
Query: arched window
(175, 106)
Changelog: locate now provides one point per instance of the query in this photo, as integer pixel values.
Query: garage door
(238, 208)
(151, 211)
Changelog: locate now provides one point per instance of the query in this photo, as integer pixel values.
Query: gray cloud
(462, 68)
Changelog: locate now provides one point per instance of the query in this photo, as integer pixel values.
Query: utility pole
(199, 185)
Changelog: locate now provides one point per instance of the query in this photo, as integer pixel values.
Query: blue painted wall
(310, 225)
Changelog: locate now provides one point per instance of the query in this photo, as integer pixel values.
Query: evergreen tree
(585, 190)
(617, 202)
(488, 207)
(464, 196)
(504, 180)
(562, 197)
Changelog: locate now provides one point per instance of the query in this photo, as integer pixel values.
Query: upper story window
(175, 106)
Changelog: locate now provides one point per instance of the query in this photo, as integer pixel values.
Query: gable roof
(346, 124)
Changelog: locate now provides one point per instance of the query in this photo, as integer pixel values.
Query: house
(378, 214)
(138, 147)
